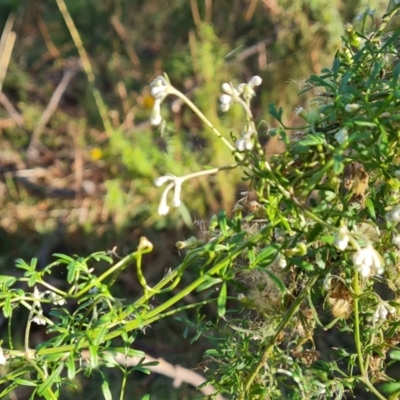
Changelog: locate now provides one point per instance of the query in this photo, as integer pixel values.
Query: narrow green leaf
(371, 209)
(221, 302)
(71, 367)
(105, 387)
(7, 310)
(20, 263)
(277, 282)
(55, 376)
(208, 282)
(223, 223)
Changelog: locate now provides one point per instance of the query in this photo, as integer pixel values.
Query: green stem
(272, 342)
(357, 337)
(196, 110)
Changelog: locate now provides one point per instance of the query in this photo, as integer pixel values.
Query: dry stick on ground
(32, 151)
(176, 372)
(121, 32)
(14, 114)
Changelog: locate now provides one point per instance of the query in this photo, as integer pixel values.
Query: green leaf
(314, 233)
(20, 263)
(71, 367)
(338, 165)
(390, 387)
(63, 257)
(223, 222)
(317, 81)
(7, 310)
(105, 388)
(146, 397)
(275, 113)
(395, 355)
(268, 253)
(7, 280)
(371, 209)
(221, 302)
(56, 375)
(208, 282)
(93, 356)
(277, 282)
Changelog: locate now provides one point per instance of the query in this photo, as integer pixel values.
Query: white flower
(396, 241)
(176, 200)
(158, 92)
(159, 88)
(352, 107)
(226, 101)
(255, 81)
(327, 282)
(244, 144)
(380, 314)
(393, 215)
(163, 208)
(282, 263)
(39, 318)
(228, 88)
(163, 179)
(397, 173)
(341, 136)
(2, 358)
(342, 238)
(368, 261)
(55, 298)
(156, 118)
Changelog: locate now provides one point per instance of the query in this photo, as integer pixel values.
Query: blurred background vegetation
(77, 182)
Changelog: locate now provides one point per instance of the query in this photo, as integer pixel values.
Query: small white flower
(158, 92)
(163, 208)
(163, 179)
(341, 136)
(342, 238)
(368, 262)
(397, 173)
(244, 144)
(159, 88)
(396, 241)
(380, 314)
(327, 282)
(227, 88)
(176, 200)
(352, 107)
(282, 263)
(348, 26)
(240, 88)
(55, 298)
(226, 102)
(2, 358)
(39, 318)
(385, 114)
(255, 81)
(299, 110)
(156, 118)
(393, 215)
